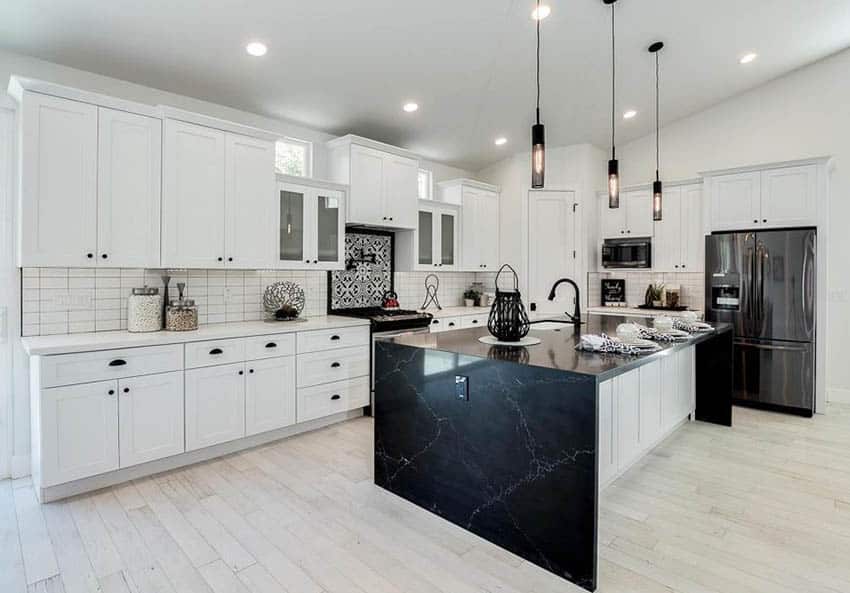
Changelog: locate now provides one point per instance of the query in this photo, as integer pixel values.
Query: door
(667, 242)
(215, 405)
(447, 225)
(785, 285)
(638, 213)
(401, 191)
(193, 196)
(58, 182)
(426, 238)
(551, 249)
(294, 227)
(128, 189)
(775, 373)
(79, 431)
(735, 201)
(789, 196)
(612, 221)
(366, 200)
(692, 233)
(150, 414)
(269, 394)
(249, 202)
(329, 228)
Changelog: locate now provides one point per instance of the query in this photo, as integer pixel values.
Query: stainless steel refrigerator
(763, 282)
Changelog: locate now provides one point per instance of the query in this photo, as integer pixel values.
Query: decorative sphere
(283, 300)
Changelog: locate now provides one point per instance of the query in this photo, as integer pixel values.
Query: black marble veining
(557, 350)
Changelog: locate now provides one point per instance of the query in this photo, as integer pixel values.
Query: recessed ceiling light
(629, 114)
(501, 141)
(538, 14)
(410, 107)
(257, 49)
(747, 58)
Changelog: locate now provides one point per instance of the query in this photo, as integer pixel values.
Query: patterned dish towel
(603, 343)
(689, 327)
(651, 333)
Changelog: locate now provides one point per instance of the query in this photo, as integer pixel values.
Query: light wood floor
(763, 507)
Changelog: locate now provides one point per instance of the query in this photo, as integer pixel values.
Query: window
(426, 185)
(293, 157)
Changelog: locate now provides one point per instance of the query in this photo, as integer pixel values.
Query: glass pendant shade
(538, 156)
(613, 184)
(656, 200)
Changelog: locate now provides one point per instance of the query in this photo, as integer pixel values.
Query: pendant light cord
(538, 61)
(613, 87)
(657, 120)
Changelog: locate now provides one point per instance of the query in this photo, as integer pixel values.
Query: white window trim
(308, 158)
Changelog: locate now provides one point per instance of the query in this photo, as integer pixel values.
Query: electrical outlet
(462, 387)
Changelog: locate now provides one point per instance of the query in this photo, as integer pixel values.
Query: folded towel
(688, 326)
(604, 343)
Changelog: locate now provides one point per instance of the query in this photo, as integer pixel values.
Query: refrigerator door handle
(807, 253)
(758, 346)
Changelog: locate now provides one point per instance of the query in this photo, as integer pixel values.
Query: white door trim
(9, 288)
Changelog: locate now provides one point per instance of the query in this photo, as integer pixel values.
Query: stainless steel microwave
(627, 253)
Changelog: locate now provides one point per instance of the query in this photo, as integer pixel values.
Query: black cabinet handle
(229, 259)
(335, 396)
(104, 256)
(756, 220)
(436, 322)
(451, 323)
(250, 370)
(764, 220)
(111, 392)
(90, 255)
(241, 372)
(216, 351)
(474, 322)
(334, 365)
(271, 345)
(126, 390)
(334, 337)
(221, 259)
(315, 261)
(118, 362)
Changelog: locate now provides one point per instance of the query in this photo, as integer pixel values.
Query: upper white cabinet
(90, 184)
(218, 198)
(772, 196)
(310, 224)
(382, 180)
(479, 235)
(435, 244)
(632, 219)
(679, 243)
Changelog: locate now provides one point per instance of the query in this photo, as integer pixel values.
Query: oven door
(627, 254)
(387, 334)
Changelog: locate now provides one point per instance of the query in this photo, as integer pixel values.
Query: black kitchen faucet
(575, 318)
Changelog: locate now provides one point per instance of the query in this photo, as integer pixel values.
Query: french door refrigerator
(763, 283)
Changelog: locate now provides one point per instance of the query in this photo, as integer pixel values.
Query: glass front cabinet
(310, 225)
(436, 236)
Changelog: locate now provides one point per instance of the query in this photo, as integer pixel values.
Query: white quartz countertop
(636, 312)
(457, 311)
(63, 344)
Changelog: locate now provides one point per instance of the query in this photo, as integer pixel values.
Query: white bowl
(663, 323)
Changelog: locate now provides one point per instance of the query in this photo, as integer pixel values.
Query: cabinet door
(426, 239)
(607, 450)
(447, 237)
(627, 396)
(249, 202)
(612, 221)
(638, 213)
(79, 431)
(366, 198)
(667, 242)
(294, 227)
(58, 182)
(150, 413)
(401, 191)
(128, 189)
(193, 196)
(329, 229)
(488, 238)
(650, 404)
(692, 234)
(735, 201)
(472, 231)
(215, 405)
(686, 399)
(669, 392)
(269, 394)
(789, 196)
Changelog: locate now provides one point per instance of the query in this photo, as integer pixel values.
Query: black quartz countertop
(557, 348)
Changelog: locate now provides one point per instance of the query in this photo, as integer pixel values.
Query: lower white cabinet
(606, 449)
(215, 405)
(79, 431)
(269, 394)
(150, 417)
(332, 398)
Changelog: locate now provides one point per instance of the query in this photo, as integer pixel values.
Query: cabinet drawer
(328, 339)
(269, 346)
(85, 367)
(204, 354)
(444, 324)
(474, 321)
(333, 365)
(332, 398)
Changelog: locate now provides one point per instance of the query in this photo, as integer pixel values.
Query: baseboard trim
(51, 493)
(21, 466)
(838, 395)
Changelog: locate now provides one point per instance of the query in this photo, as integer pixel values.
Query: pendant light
(538, 136)
(656, 185)
(613, 165)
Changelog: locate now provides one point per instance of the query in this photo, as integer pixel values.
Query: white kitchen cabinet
(693, 235)
(269, 394)
(311, 226)
(612, 221)
(79, 431)
(128, 197)
(627, 395)
(480, 230)
(607, 449)
(632, 219)
(215, 405)
(735, 201)
(150, 417)
(382, 180)
(650, 404)
(58, 193)
(435, 244)
(679, 244)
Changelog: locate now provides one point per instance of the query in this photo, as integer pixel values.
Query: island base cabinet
(150, 417)
(215, 405)
(79, 431)
(270, 394)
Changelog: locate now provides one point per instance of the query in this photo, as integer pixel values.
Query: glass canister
(144, 310)
(181, 314)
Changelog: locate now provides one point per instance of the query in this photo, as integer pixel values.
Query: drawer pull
(334, 337)
(436, 322)
(216, 351)
(271, 345)
(474, 322)
(334, 365)
(118, 362)
(335, 396)
(451, 324)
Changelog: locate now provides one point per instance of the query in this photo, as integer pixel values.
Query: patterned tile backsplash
(692, 286)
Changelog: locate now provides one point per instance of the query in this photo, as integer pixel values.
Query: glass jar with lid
(181, 313)
(144, 310)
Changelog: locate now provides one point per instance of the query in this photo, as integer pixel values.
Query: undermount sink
(549, 325)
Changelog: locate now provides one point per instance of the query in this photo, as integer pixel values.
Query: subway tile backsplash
(692, 286)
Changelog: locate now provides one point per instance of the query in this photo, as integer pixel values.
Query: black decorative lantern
(508, 320)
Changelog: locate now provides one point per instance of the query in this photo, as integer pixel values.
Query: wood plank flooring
(760, 508)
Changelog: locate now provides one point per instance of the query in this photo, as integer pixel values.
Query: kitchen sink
(549, 325)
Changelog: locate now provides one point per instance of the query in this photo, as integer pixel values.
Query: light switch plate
(462, 387)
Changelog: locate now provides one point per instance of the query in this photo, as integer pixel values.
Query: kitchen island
(515, 444)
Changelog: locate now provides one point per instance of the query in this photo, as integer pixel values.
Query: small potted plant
(653, 295)
(470, 297)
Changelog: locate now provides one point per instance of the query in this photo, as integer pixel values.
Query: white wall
(803, 114)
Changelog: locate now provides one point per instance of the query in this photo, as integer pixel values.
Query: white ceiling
(348, 65)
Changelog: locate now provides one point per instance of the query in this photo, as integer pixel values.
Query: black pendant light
(613, 165)
(656, 185)
(538, 136)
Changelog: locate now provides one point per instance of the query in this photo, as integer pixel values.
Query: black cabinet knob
(391, 217)
(111, 392)
(315, 261)
(627, 232)
(335, 396)
(250, 370)
(241, 372)
(764, 220)
(229, 259)
(90, 255)
(104, 256)
(384, 218)
(756, 220)
(221, 259)
(126, 390)
(306, 261)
